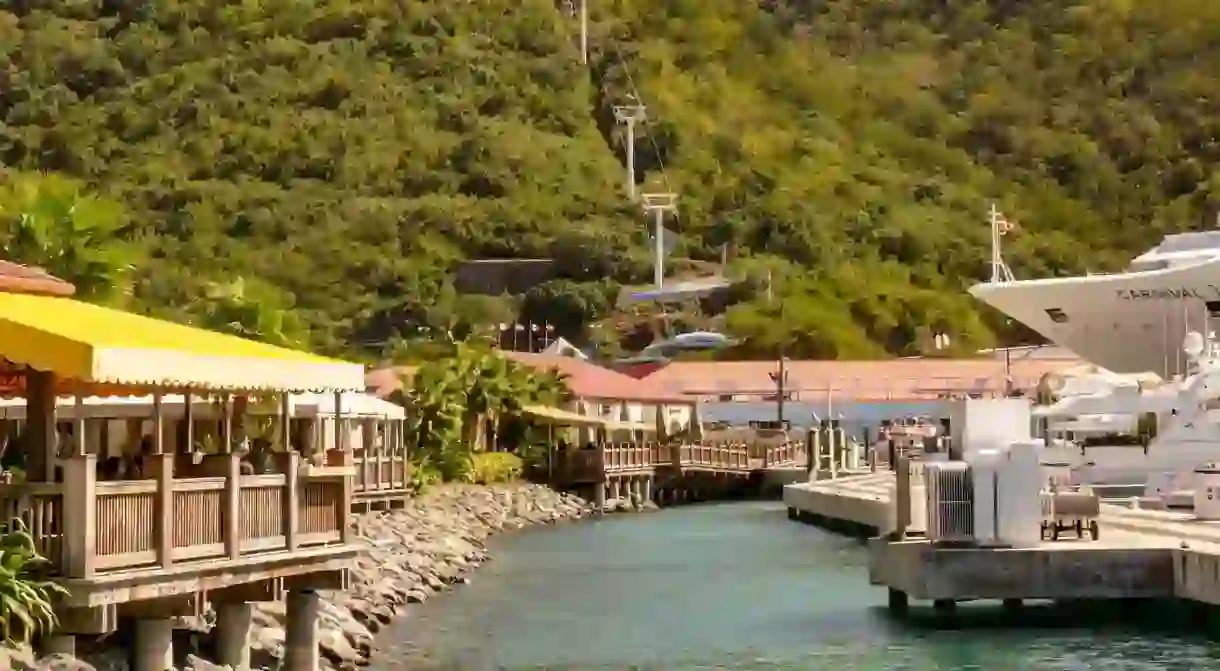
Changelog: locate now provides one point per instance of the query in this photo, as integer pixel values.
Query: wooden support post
(372, 459)
(162, 465)
(226, 431)
(340, 435)
(78, 427)
(285, 420)
(80, 516)
(40, 414)
(292, 493)
(188, 417)
(233, 506)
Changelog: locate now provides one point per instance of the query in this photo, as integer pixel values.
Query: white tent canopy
(300, 405)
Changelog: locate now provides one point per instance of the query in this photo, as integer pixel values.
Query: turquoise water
(733, 586)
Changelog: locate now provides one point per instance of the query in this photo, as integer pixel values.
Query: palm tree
(252, 309)
(50, 222)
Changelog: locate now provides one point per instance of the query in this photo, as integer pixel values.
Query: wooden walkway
(604, 461)
(641, 472)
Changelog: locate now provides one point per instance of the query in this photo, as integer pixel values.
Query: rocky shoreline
(409, 555)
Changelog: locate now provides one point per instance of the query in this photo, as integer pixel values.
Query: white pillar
(301, 637)
(233, 634)
(154, 644)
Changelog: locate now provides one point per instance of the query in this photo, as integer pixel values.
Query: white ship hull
(1127, 323)
(1129, 465)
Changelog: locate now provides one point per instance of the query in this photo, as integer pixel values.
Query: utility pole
(781, 376)
(629, 115)
(584, 32)
(658, 204)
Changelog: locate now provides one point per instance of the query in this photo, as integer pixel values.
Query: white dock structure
(1140, 554)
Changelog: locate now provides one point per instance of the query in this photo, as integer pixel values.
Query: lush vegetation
(339, 157)
(25, 600)
(467, 404)
(492, 467)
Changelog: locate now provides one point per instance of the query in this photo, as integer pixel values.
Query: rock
(60, 662)
(16, 657)
(194, 663)
(110, 659)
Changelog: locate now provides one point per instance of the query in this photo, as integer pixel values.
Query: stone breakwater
(409, 556)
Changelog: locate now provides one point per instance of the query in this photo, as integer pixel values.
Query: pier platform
(1142, 553)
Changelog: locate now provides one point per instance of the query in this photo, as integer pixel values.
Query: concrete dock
(1141, 554)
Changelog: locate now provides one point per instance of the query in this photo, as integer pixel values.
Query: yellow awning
(94, 344)
(562, 417)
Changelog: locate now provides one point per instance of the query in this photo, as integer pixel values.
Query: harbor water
(736, 586)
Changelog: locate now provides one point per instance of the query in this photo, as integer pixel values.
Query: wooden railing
(783, 455)
(40, 508)
(380, 473)
(381, 461)
(85, 527)
(629, 456)
(725, 456)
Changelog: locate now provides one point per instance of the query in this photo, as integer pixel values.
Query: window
(1057, 315)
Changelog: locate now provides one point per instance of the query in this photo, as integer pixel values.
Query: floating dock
(1141, 554)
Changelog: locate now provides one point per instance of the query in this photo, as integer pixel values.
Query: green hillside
(340, 157)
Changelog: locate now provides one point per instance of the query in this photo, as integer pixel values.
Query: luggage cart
(1075, 508)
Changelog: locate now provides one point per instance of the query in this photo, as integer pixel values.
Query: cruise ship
(1129, 322)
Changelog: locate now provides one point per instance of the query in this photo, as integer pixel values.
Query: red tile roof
(385, 381)
(19, 279)
(589, 380)
(898, 379)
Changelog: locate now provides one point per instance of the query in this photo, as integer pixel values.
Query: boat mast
(999, 226)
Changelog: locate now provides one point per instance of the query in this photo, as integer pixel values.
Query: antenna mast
(629, 115)
(999, 226)
(658, 204)
(584, 32)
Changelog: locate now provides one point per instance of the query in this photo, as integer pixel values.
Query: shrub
(25, 602)
(492, 467)
(424, 474)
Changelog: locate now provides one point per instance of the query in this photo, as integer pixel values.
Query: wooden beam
(263, 590)
(338, 580)
(185, 605)
(87, 620)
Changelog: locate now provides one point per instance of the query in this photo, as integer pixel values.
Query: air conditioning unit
(950, 500)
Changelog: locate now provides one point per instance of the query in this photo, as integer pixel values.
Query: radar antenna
(999, 227)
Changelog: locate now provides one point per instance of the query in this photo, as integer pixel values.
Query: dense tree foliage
(344, 154)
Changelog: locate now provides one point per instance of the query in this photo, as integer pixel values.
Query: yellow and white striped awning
(95, 345)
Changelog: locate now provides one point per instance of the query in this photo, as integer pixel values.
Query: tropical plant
(252, 309)
(452, 403)
(25, 601)
(492, 467)
(50, 222)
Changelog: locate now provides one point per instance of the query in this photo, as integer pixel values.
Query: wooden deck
(584, 466)
(175, 540)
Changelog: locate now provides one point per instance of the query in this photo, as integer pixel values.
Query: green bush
(492, 467)
(25, 602)
(424, 474)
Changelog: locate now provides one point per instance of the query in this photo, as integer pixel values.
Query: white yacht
(1129, 322)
